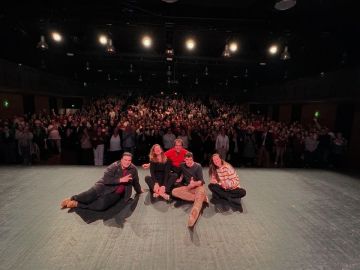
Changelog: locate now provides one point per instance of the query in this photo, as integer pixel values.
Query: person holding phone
(117, 182)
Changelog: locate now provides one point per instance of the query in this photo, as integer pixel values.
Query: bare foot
(165, 196)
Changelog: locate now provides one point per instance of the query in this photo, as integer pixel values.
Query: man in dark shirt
(192, 188)
(117, 183)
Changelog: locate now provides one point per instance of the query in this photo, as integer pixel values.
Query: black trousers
(232, 196)
(168, 183)
(91, 200)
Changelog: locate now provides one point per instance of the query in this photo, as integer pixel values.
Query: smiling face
(178, 146)
(157, 150)
(217, 160)
(125, 161)
(189, 161)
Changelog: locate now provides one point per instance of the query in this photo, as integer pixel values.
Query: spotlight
(42, 45)
(146, 41)
(226, 52)
(56, 36)
(110, 49)
(273, 49)
(169, 54)
(190, 44)
(103, 40)
(285, 54)
(233, 47)
(285, 4)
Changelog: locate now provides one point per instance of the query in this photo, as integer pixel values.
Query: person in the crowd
(24, 137)
(280, 148)
(114, 146)
(161, 179)
(192, 187)
(98, 141)
(224, 182)
(265, 146)
(116, 184)
(86, 148)
(54, 138)
(168, 139)
(222, 144)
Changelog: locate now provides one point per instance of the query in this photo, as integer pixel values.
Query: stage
(291, 219)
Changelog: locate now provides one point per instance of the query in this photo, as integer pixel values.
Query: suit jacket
(110, 180)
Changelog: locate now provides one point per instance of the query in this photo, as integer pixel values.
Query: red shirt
(175, 157)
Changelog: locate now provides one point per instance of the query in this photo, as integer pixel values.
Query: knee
(175, 192)
(242, 192)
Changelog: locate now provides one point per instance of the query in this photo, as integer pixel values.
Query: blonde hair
(153, 157)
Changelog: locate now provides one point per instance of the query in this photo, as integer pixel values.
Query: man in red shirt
(176, 155)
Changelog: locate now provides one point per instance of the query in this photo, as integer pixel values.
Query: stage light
(190, 44)
(103, 39)
(285, 54)
(317, 114)
(273, 49)
(42, 45)
(56, 36)
(6, 104)
(285, 4)
(147, 41)
(110, 49)
(226, 52)
(233, 46)
(169, 54)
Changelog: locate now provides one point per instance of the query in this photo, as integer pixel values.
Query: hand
(213, 181)
(178, 180)
(126, 178)
(146, 166)
(192, 183)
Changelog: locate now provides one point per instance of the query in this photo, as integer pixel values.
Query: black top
(111, 179)
(160, 171)
(194, 171)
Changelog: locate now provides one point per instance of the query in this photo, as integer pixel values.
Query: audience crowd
(105, 127)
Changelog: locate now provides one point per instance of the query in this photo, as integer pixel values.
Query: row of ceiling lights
(147, 42)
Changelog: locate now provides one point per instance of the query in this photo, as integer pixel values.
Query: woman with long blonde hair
(161, 179)
(224, 182)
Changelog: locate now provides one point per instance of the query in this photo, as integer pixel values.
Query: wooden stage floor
(291, 219)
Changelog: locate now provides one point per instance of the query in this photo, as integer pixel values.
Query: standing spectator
(24, 137)
(168, 139)
(338, 150)
(222, 144)
(86, 147)
(129, 139)
(311, 144)
(97, 141)
(114, 146)
(54, 138)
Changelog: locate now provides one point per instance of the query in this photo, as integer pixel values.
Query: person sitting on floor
(192, 187)
(161, 178)
(117, 183)
(224, 182)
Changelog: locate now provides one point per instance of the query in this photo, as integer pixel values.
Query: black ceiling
(321, 36)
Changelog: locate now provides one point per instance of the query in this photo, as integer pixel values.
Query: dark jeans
(168, 183)
(232, 196)
(92, 201)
